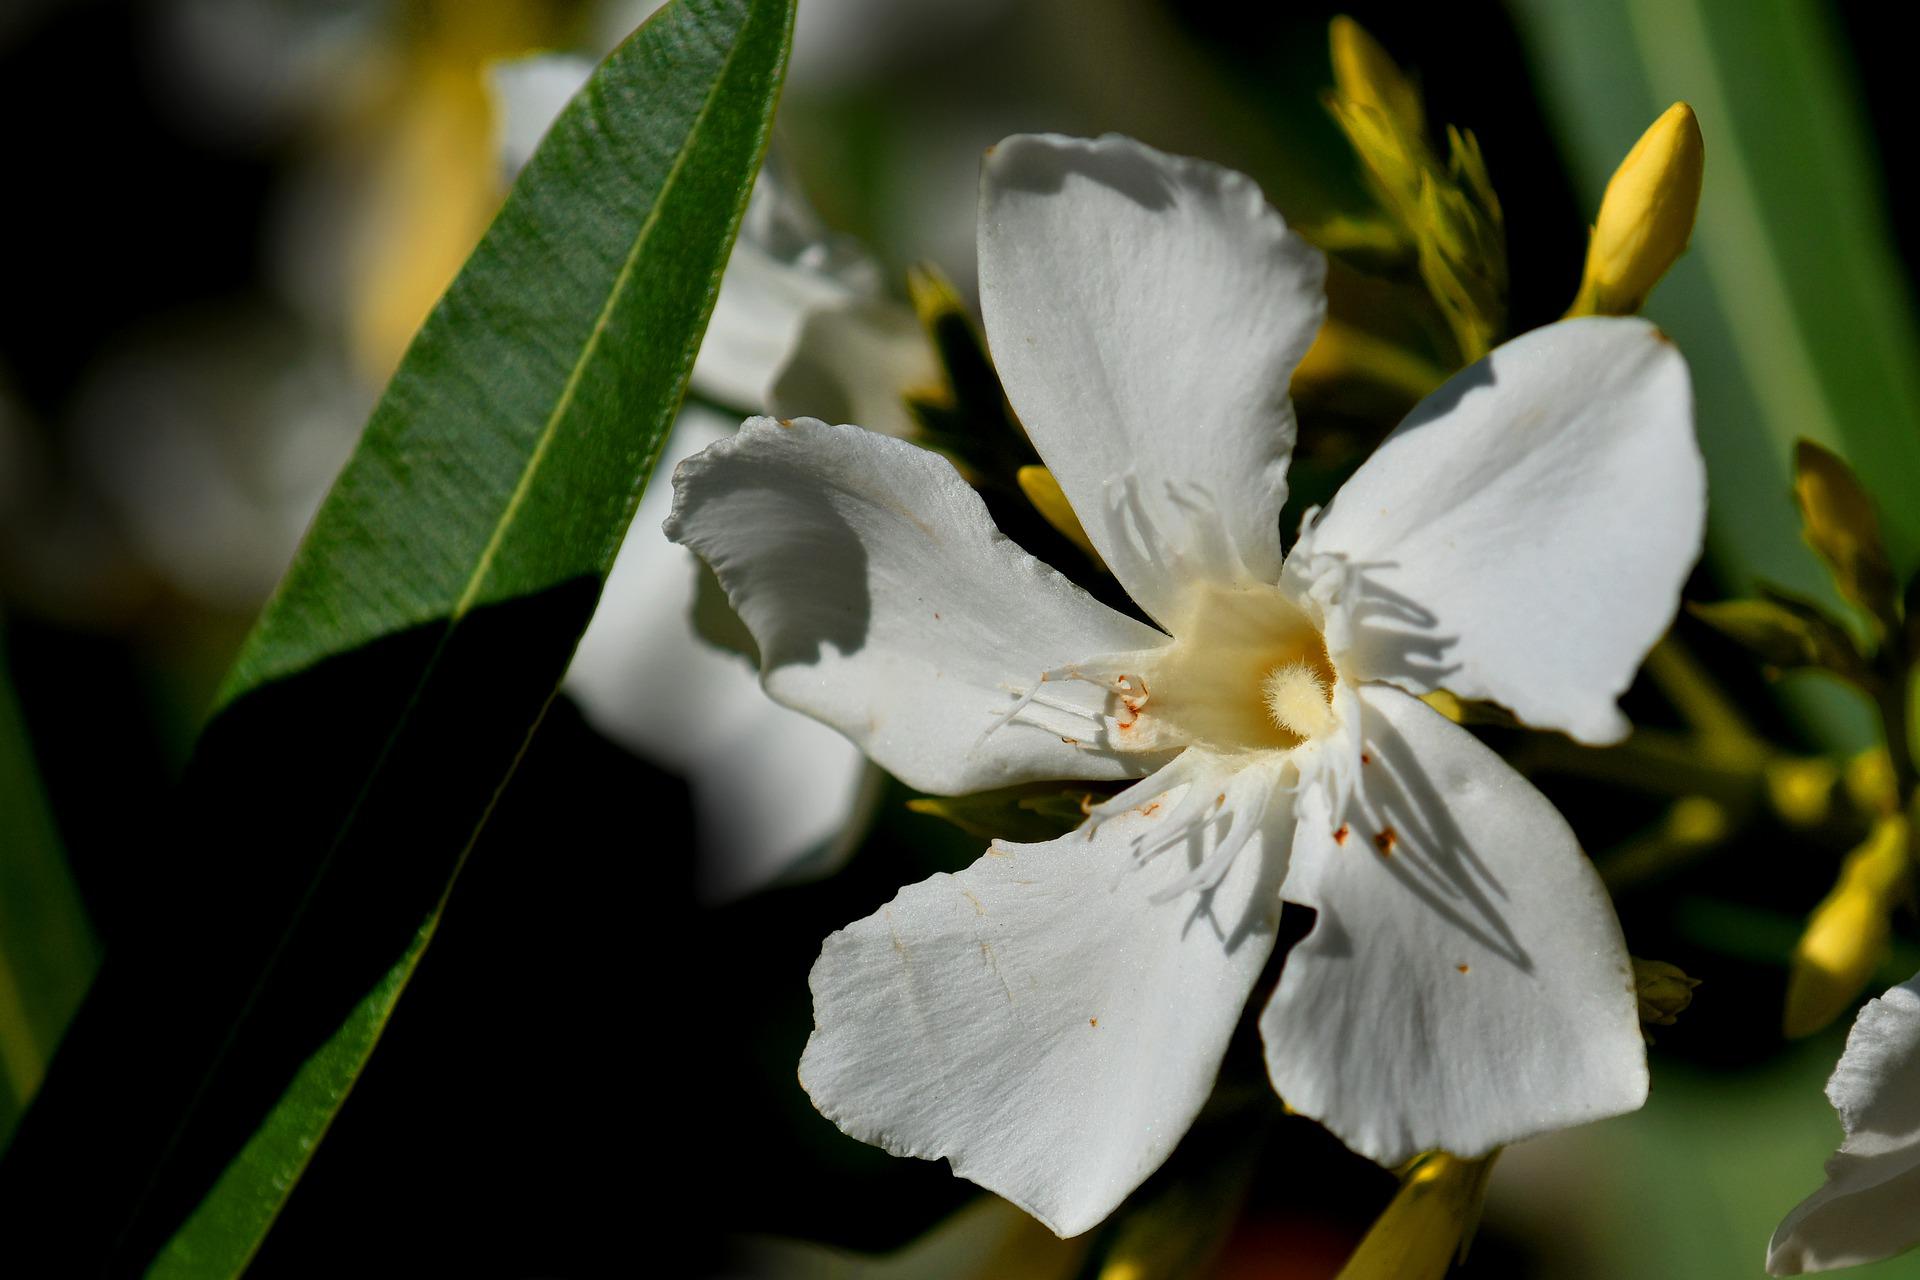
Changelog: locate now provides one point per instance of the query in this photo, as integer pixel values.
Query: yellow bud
(1837, 520)
(1870, 783)
(1365, 76)
(1802, 790)
(1664, 990)
(1695, 822)
(1448, 213)
(1428, 1225)
(1026, 814)
(1645, 217)
(1463, 711)
(1846, 936)
(933, 296)
(1044, 492)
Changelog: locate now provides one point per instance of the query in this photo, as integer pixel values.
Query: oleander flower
(1869, 1207)
(1052, 1018)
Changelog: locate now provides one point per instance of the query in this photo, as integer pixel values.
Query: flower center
(1247, 671)
(1299, 699)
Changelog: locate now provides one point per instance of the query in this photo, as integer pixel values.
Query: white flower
(776, 794)
(1870, 1206)
(798, 304)
(838, 44)
(1052, 1018)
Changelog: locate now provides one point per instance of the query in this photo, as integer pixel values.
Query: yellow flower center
(1247, 671)
(1299, 699)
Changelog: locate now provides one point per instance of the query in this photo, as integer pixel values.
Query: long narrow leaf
(1791, 305)
(47, 949)
(385, 696)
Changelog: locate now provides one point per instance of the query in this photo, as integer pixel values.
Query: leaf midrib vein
(461, 607)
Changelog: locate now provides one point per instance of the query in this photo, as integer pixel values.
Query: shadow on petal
(1409, 828)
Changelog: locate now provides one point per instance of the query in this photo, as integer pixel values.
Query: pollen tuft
(1298, 699)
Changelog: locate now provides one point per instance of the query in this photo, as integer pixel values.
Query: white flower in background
(213, 439)
(1870, 1206)
(802, 312)
(776, 794)
(841, 43)
(1052, 1018)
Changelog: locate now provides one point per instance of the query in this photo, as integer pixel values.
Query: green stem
(1894, 666)
(1691, 829)
(1732, 774)
(1695, 694)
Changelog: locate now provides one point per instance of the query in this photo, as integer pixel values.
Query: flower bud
(1837, 521)
(1448, 212)
(1802, 791)
(1645, 218)
(1365, 76)
(1044, 492)
(1664, 990)
(1846, 936)
(1870, 783)
(1429, 1223)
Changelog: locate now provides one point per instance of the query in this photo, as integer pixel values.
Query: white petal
(885, 603)
(1524, 534)
(772, 788)
(778, 798)
(1466, 988)
(1040, 1019)
(856, 363)
(1870, 1206)
(785, 266)
(528, 94)
(1145, 313)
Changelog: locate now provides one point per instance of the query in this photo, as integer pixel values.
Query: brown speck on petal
(1462, 967)
(1093, 1022)
(1341, 832)
(1365, 758)
(1072, 742)
(1385, 841)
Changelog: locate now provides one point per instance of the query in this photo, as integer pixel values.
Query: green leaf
(384, 698)
(1791, 305)
(47, 949)
(1910, 614)
(1786, 633)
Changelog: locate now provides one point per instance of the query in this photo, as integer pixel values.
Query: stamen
(1298, 699)
(1034, 697)
(1059, 704)
(1184, 768)
(1243, 820)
